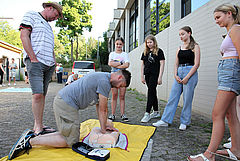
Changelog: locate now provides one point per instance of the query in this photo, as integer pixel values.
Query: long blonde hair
(192, 42)
(226, 7)
(147, 49)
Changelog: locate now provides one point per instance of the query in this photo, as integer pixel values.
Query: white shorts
(12, 73)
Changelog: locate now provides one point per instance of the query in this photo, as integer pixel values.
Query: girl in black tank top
(186, 57)
(186, 78)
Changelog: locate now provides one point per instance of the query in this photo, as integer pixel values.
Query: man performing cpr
(92, 89)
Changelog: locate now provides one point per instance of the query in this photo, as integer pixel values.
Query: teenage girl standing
(118, 60)
(152, 68)
(228, 16)
(186, 78)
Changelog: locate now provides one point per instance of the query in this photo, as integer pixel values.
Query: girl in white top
(118, 60)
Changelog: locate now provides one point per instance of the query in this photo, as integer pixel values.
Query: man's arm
(25, 38)
(102, 111)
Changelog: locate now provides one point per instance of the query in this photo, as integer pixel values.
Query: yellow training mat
(138, 137)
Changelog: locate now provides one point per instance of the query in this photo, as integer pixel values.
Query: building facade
(135, 19)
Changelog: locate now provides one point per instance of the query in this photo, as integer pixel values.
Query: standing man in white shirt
(38, 43)
(12, 72)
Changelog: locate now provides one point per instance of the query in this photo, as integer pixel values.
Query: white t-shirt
(118, 57)
(13, 66)
(70, 79)
(42, 38)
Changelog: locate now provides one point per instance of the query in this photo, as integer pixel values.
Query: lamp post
(86, 48)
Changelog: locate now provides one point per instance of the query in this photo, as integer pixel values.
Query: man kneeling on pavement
(92, 89)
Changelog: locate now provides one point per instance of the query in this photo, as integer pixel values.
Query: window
(133, 32)
(189, 6)
(156, 16)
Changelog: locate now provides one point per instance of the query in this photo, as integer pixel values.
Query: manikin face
(222, 19)
(184, 36)
(150, 43)
(119, 44)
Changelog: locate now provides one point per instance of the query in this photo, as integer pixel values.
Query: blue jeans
(176, 91)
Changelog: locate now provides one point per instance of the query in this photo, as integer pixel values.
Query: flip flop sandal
(44, 132)
(199, 155)
(47, 128)
(229, 154)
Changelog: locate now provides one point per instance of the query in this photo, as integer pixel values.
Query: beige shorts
(67, 120)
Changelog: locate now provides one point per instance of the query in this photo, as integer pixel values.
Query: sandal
(47, 128)
(195, 156)
(44, 132)
(229, 154)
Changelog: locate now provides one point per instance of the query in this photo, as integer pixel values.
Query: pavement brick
(169, 144)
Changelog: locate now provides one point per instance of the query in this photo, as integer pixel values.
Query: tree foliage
(76, 18)
(163, 10)
(10, 35)
(103, 50)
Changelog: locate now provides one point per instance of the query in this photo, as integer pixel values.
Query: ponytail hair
(226, 7)
(192, 42)
(147, 49)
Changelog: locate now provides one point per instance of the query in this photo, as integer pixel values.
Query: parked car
(83, 67)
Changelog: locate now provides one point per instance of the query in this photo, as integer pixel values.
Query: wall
(209, 36)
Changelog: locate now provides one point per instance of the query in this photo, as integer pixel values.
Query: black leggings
(151, 81)
(59, 77)
(1, 75)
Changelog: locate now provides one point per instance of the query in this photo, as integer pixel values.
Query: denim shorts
(229, 75)
(39, 76)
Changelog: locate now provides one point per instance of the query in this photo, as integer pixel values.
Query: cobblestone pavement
(169, 144)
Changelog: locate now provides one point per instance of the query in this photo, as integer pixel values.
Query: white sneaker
(15, 84)
(146, 117)
(160, 123)
(182, 127)
(227, 145)
(1, 85)
(229, 139)
(9, 84)
(155, 114)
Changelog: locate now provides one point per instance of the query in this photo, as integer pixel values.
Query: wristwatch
(121, 62)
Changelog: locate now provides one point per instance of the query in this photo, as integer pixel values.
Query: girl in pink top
(228, 16)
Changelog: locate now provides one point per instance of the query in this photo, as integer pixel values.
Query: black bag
(90, 152)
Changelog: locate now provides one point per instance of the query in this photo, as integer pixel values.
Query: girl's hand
(159, 81)
(185, 80)
(143, 80)
(178, 79)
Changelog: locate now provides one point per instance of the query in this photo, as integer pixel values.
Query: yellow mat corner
(138, 137)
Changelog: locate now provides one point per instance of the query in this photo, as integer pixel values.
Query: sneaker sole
(145, 121)
(155, 117)
(24, 134)
(160, 125)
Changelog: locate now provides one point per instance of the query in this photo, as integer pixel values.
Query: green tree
(103, 50)
(9, 35)
(92, 48)
(75, 20)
